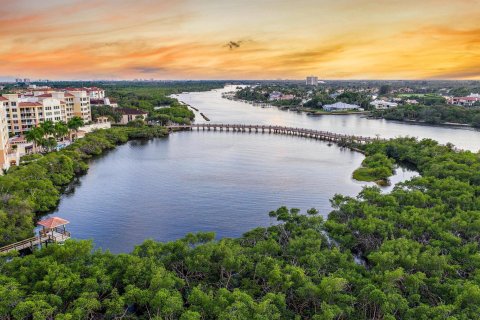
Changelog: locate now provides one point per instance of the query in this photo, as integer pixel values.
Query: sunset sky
(242, 39)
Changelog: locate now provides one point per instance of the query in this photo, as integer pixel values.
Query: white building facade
(340, 106)
(381, 104)
(27, 110)
(311, 81)
(4, 145)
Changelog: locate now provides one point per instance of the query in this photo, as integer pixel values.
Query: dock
(53, 231)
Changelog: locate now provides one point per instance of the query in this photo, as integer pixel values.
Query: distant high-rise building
(26, 80)
(311, 81)
(18, 80)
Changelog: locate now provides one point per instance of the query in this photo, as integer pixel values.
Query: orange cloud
(185, 39)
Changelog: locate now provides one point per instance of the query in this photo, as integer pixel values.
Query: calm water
(225, 111)
(218, 181)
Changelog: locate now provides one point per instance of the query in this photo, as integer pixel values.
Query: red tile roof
(29, 104)
(130, 111)
(52, 222)
(45, 95)
(73, 89)
(3, 98)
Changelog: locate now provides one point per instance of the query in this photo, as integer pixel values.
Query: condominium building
(26, 110)
(95, 93)
(4, 146)
(81, 104)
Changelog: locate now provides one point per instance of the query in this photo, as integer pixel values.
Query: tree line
(437, 114)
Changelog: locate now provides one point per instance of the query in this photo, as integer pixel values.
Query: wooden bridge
(36, 241)
(310, 133)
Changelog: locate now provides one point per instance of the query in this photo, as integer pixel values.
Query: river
(220, 110)
(225, 182)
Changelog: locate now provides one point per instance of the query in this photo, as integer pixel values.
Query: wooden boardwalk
(36, 241)
(310, 133)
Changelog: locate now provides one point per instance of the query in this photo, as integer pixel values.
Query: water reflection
(221, 110)
(225, 182)
(203, 181)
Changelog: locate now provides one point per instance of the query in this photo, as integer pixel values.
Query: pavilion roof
(52, 222)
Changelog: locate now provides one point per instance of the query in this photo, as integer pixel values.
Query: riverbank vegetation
(34, 187)
(438, 114)
(306, 98)
(176, 113)
(154, 98)
(377, 167)
(106, 111)
(148, 95)
(408, 254)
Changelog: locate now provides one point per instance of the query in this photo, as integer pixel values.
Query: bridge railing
(274, 127)
(21, 244)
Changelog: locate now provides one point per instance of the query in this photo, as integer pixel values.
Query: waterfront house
(340, 106)
(464, 101)
(275, 95)
(287, 97)
(411, 101)
(382, 104)
(129, 114)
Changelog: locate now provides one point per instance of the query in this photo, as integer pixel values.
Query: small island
(377, 167)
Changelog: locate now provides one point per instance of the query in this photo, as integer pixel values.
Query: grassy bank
(35, 187)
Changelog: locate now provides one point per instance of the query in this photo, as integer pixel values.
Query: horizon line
(225, 80)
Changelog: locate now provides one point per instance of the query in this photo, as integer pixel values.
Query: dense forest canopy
(146, 96)
(154, 98)
(409, 254)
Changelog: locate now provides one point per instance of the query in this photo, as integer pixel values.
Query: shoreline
(308, 111)
(316, 113)
(424, 123)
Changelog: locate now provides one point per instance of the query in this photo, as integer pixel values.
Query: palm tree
(35, 135)
(48, 128)
(61, 130)
(75, 123)
(49, 144)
